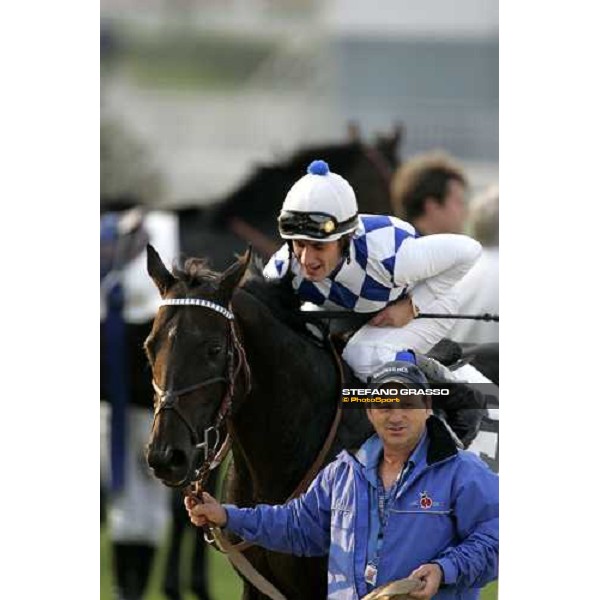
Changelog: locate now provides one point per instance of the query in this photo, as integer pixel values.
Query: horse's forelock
(195, 273)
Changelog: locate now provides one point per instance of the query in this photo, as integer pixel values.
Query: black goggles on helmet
(314, 224)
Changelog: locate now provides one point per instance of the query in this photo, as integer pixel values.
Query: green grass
(224, 582)
(490, 592)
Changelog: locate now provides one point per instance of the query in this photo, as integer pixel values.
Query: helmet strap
(346, 248)
(290, 245)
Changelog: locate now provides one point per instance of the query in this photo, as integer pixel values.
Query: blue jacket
(456, 526)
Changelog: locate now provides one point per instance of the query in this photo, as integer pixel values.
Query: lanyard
(384, 501)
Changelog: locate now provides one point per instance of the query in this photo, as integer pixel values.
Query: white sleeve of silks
(277, 266)
(433, 264)
(422, 334)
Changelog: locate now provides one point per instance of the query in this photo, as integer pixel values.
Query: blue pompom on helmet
(321, 206)
(318, 167)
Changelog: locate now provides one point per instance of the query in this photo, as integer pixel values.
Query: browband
(198, 302)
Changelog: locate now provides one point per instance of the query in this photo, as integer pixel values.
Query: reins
(315, 316)
(319, 460)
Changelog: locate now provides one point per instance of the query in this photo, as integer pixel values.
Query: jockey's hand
(208, 512)
(431, 575)
(398, 314)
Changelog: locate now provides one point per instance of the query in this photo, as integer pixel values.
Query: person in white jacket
(340, 259)
(478, 291)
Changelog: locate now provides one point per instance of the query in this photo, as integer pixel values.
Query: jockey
(338, 259)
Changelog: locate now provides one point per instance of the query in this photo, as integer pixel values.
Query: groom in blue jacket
(409, 503)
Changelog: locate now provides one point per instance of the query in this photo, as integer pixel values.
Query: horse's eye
(214, 350)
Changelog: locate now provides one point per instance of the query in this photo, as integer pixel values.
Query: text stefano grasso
(367, 392)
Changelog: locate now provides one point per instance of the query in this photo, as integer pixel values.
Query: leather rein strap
(318, 462)
(234, 551)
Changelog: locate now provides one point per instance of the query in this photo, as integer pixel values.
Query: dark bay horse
(280, 416)
(277, 429)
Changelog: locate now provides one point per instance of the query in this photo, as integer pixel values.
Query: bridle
(168, 399)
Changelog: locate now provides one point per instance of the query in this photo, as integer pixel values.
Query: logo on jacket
(425, 502)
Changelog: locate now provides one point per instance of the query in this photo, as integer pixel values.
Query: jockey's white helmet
(321, 206)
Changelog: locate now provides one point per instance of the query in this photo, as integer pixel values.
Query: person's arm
(473, 562)
(419, 334)
(300, 527)
(433, 265)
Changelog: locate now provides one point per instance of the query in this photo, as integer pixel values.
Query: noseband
(167, 399)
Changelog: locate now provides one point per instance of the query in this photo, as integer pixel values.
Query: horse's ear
(231, 278)
(157, 271)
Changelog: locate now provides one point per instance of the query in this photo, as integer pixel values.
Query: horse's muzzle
(169, 464)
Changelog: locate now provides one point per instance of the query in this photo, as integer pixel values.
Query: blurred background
(214, 88)
(210, 110)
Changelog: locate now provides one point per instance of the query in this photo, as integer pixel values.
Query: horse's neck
(281, 426)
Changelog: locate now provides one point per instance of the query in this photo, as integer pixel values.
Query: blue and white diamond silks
(368, 281)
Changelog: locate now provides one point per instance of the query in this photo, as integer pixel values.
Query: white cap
(321, 191)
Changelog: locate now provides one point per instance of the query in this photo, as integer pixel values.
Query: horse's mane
(277, 294)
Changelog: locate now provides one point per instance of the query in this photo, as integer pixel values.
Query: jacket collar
(435, 445)
(442, 444)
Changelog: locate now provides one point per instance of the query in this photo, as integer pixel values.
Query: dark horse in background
(249, 213)
(277, 429)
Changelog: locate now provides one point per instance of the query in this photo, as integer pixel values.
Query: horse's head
(194, 354)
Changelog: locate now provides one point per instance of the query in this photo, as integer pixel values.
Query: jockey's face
(317, 259)
(401, 428)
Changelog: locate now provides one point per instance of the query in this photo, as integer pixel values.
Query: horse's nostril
(167, 458)
(178, 459)
(159, 458)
